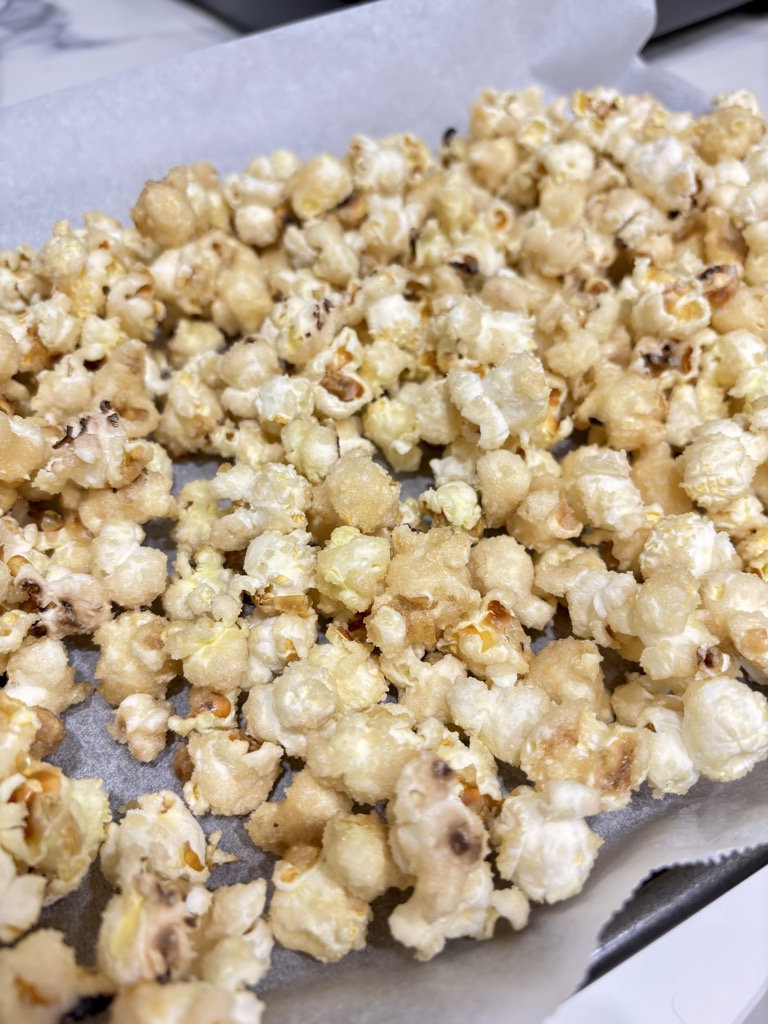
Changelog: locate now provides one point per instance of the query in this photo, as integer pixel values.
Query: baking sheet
(399, 65)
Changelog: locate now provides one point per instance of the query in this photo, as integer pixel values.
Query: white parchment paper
(392, 66)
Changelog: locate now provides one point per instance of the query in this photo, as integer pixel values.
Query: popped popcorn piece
(725, 727)
(141, 723)
(570, 742)
(362, 753)
(351, 567)
(311, 911)
(298, 819)
(158, 836)
(19, 724)
(511, 399)
(191, 1002)
(44, 996)
(147, 931)
(58, 825)
(356, 851)
(39, 674)
(21, 901)
(231, 774)
(548, 851)
(131, 575)
(133, 658)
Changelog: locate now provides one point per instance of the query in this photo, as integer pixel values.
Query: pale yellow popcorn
(491, 642)
(159, 836)
(272, 498)
(568, 670)
(231, 774)
(544, 516)
(184, 1002)
(317, 186)
(393, 425)
(428, 583)
(454, 504)
(274, 642)
(213, 654)
(357, 853)
(664, 616)
(665, 172)
(18, 727)
(502, 717)
(549, 855)
(132, 575)
(44, 996)
(133, 658)
(201, 581)
(601, 492)
(39, 675)
(719, 464)
(50, 804)
(423, 685)
(24, 449)
(311, 447)
(311, 911)
(502, 565)
(503, 481)
(299, 818)
(475, 916)
(279, 569)
(474, 764)
(335, 677)
(351, 567)
(362, 753)
(670, 766)
(187, 202)
(690, 541)
(236, 941)
(725, 727)
(438, 841)
(94, 452)
(21, 901)
(356, 492)
(147, 930)
(611, 759)
(629, 406)
(141, 723)
(511, 399)
(68, 602)
(600, 603)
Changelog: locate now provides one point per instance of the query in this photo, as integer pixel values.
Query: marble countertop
(47, 46)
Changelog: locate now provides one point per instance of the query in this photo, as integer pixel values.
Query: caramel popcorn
(452, 427)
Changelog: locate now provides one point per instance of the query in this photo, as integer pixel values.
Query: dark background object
(254, 15)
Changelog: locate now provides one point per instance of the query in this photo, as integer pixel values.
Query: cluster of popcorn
(560, 319)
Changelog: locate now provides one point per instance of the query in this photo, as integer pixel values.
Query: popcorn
(298, 819)
(40, 676)
(231, 774)
(547, 853)
(611, 759)
(311, 911)
(725, 727)
(351, 567)
(43, 997)
(316, 332)
(57, 827)
(141, 722)
(133, 658)
(159, 836)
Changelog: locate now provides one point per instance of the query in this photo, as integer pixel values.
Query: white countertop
(712, 969)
